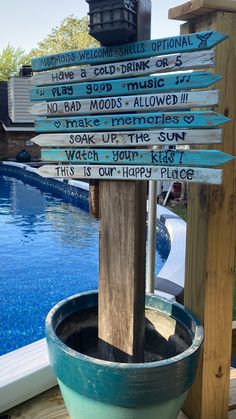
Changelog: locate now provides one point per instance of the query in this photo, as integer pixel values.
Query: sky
(24, 23)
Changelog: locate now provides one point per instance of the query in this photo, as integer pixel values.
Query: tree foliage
(71, 34)
(11, 59)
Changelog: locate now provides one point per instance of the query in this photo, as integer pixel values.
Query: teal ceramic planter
(94, 388)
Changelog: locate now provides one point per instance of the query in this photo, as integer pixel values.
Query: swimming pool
(48, 251)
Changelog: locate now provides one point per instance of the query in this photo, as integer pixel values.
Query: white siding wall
(18, 100)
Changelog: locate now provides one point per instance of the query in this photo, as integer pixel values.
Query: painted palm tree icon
(203, 38)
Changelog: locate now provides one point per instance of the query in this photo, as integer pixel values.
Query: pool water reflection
(48, 251)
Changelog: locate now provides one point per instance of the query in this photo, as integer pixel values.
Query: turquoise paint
(198, 119)
(206, 158)
(80, 407)
(140, 85)
(183, 43)
(145, 390)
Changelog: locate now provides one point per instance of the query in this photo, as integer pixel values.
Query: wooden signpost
(128, 113)
(142, 85)
(211, 232)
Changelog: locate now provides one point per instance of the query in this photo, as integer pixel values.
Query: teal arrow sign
(142, 85)
(198, 119)
(205, 158)
(142, 49)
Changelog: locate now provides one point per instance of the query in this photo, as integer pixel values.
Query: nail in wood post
(211, 240)
(122, 256)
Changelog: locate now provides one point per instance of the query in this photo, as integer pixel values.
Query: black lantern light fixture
(113, 21)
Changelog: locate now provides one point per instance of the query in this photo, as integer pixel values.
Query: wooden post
(94, 198)
(211, 237)
(122, 256)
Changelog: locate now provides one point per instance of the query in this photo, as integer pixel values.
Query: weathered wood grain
(111, 172)
(122, 273)
(201, 158)
(163, 101)
(94, 198)
(198, 119)
(211, 243)
(142, 49)
(166, 63)
(196, 8)
(130, 138)
(143, 85)
(122, 255)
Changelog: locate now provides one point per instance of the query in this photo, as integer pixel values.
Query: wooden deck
(49, 405)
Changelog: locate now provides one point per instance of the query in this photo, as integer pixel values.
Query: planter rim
(198, 336)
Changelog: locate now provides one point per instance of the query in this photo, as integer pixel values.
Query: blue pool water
(48, 251)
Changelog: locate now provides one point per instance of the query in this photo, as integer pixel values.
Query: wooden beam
(122, 273)
(195, 8)
(122, 256)
(211, 242)
(94, 198)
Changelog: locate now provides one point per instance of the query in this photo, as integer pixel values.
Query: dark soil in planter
(164, 336)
